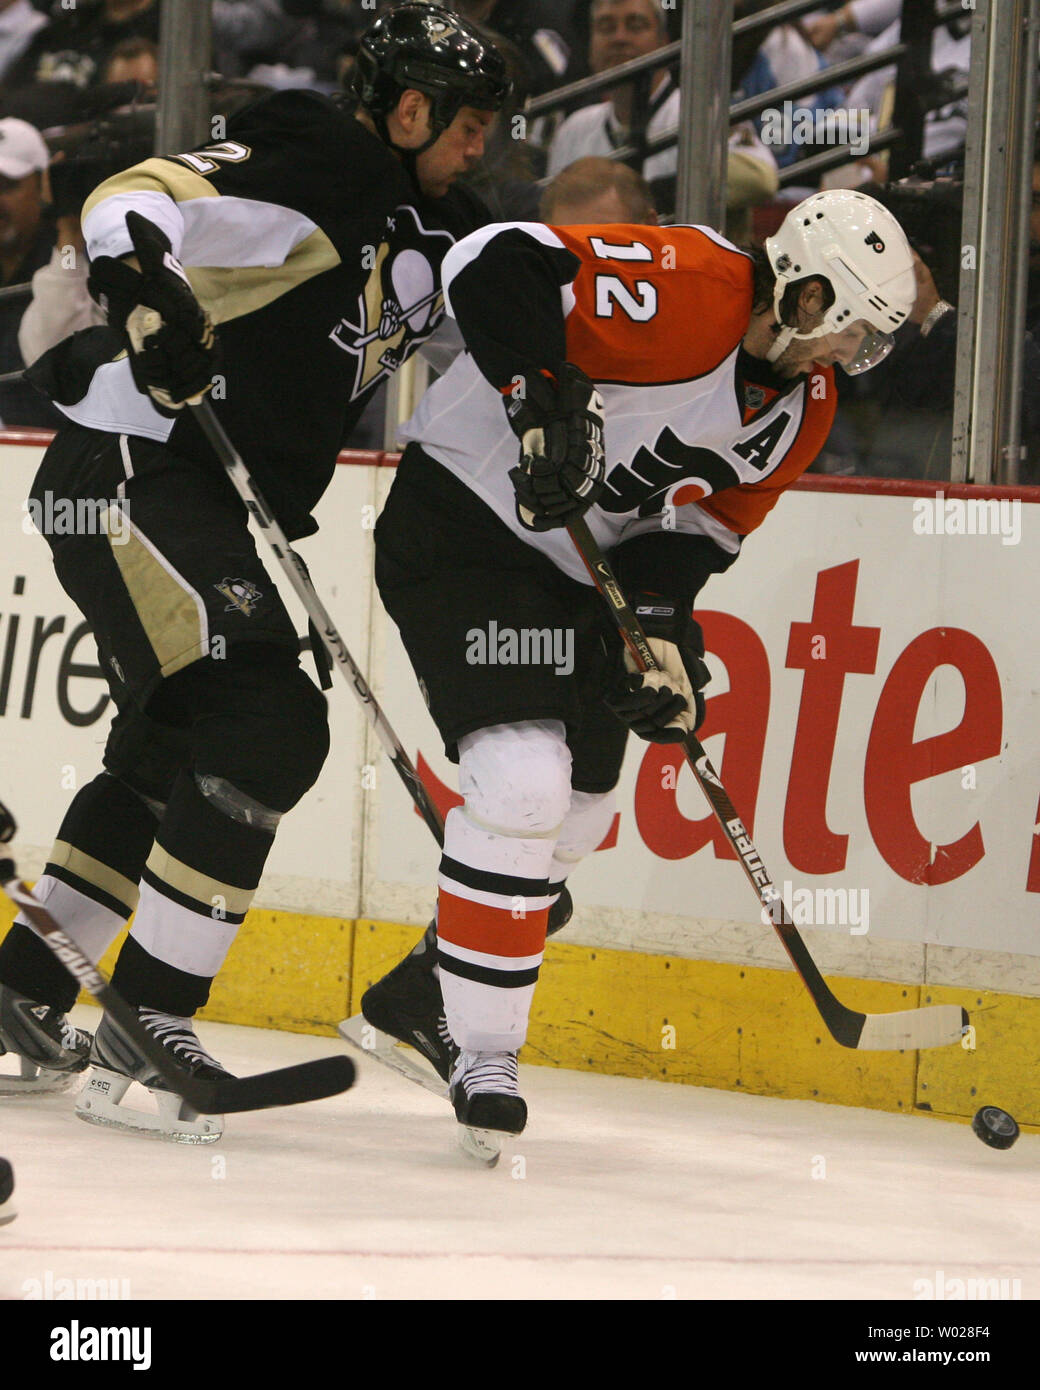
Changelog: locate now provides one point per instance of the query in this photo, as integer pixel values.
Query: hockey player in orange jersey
(667, 387)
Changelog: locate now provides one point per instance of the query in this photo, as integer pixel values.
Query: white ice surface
(618, 1189)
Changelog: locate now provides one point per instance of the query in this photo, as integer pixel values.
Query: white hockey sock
(92, 925)
(493, 901)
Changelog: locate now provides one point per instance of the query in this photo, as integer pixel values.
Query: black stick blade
(328, 1076)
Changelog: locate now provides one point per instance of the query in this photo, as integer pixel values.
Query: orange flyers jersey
(655, 316)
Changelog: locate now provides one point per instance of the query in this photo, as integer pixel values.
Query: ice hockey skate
(51, 1052)
(406, 1006)
(116, 1063)
(485, 1091)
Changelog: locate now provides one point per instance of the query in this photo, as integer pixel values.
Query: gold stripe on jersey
(152, 176)
(226, 292)
(210, 892)
(229, 293)
(169, 610)
(92, 871)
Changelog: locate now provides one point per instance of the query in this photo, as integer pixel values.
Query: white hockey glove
(562, 466)
(663, 706)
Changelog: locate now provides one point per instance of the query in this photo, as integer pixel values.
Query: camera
(94, 150)
(929, 209)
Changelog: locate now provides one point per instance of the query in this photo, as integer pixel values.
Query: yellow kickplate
(997, 1064)
(658, 1017)
(284, 970)
(667, 1018)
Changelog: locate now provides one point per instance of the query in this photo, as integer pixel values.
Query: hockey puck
(995, 1127)
(6, 1181)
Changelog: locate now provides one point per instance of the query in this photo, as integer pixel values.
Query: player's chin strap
(409, 157)
(783, 340)
(785, 335)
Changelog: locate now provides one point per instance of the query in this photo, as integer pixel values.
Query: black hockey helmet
(428, 49)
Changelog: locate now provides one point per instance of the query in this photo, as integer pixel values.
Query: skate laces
(178, 1037)
(72, 1038)
(488, 1071)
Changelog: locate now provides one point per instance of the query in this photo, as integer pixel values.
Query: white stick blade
(910, 1029)
(380, 1047)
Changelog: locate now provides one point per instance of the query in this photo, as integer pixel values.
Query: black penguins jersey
(319, 261)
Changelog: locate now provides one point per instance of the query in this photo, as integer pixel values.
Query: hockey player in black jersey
(284, 282)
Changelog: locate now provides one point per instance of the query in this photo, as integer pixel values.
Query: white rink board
(817, 548)
(314, 865)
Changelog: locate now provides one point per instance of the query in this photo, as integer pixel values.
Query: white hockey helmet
(858, 247)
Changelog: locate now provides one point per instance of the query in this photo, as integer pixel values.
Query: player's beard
(793, 361)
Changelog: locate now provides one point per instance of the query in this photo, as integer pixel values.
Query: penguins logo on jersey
(241, 594)
(402, 302)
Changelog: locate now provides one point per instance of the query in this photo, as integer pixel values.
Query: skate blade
(6, 1217)
(482, 1145)
(398, 1056)
(35, 1080)
(99, 1104)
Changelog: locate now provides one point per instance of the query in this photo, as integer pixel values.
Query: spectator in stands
(26, 239)
(784, 56)
(620, 30)
(626, 29)
(946, 122)
(80, 39)
(312, 44)
(595, 189)
(19, 23)
(848, 28)
(133, 60)
(77, 43)
(241, 28)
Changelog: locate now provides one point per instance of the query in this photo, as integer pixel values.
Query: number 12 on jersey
(639, 303)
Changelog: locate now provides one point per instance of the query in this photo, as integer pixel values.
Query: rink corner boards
(656, 1017)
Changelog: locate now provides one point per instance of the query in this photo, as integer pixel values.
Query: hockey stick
(318, 613)
(150, 258)
(934, 1026)
(327, 1076)
(397, 319)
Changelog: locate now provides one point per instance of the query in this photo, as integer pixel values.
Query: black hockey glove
(663, 706)
(560, 428)
(173, 350)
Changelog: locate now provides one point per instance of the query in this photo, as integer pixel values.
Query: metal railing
(998, 176)
(911, 56)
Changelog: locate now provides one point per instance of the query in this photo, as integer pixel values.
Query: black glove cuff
(546, 402)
